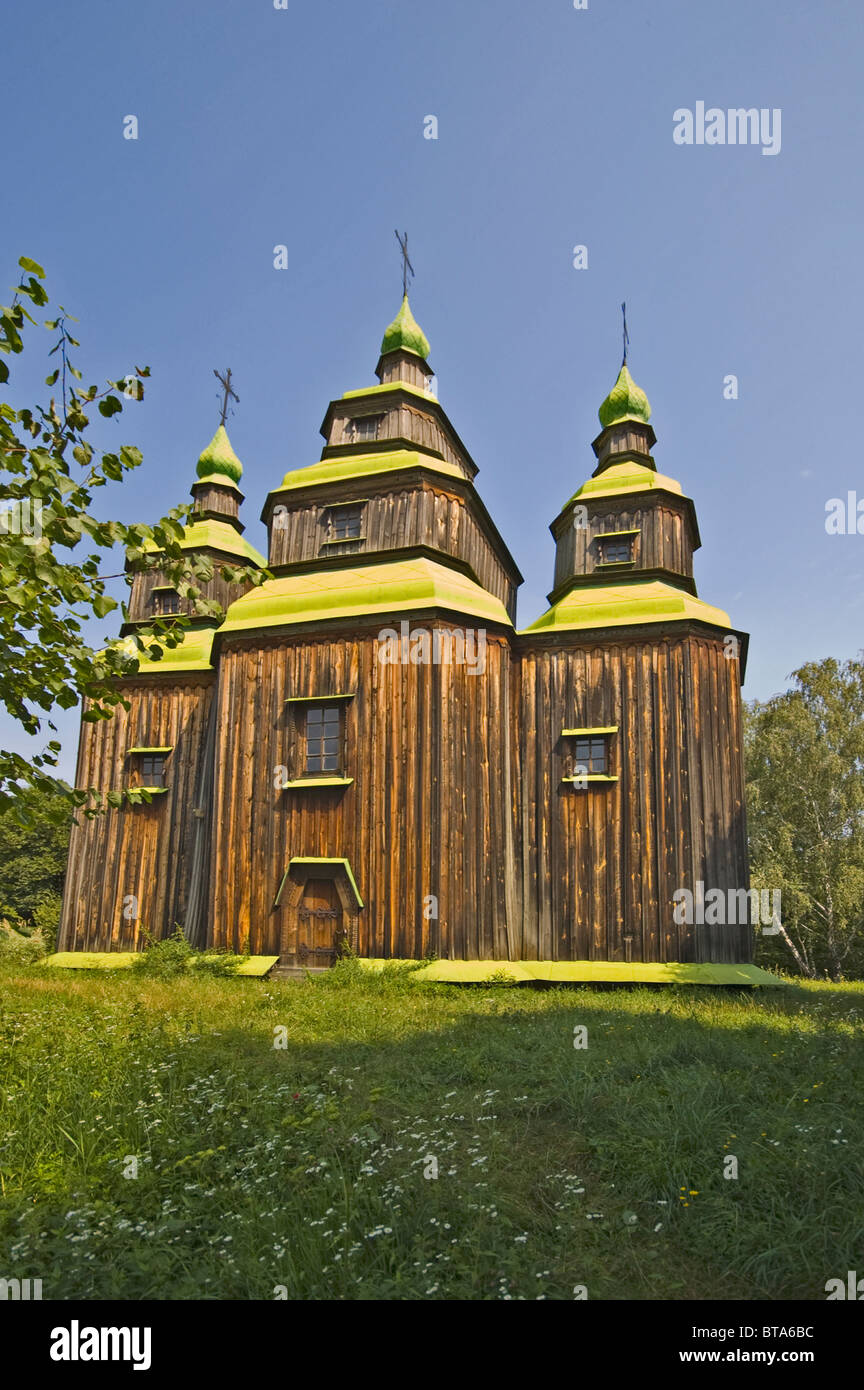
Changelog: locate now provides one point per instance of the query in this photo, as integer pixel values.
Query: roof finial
(225, 382)
(626, 335)
(407, 267)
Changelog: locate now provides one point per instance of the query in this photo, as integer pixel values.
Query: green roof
(626, 401)
(406, 334)
(623, 478)
(390, 386)
(219, 480)
(623, 605)
(403, 586)
(333, 470)
(191, 654)
(215, 535)
(220, 458)
(220, 535)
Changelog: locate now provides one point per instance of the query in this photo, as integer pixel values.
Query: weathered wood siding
(394, 518)
(141, 852)
(430, 812)
(223, 591)
(600, 865)
(664, 541)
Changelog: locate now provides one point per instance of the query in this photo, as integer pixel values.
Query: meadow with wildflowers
(361, 1137)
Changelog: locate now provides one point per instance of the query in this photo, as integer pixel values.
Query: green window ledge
(299, 782)
(590, 777)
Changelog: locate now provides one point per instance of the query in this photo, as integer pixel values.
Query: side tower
(140, 867)
(629, 734)
(363, 787)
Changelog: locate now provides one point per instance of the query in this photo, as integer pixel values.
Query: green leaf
(102, 604)
(110, 406)
(34, 267)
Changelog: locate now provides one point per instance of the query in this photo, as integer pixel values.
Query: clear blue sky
(305, 127)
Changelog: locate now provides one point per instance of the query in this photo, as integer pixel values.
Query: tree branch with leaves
(53, 551)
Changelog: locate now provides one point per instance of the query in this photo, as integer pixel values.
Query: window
(590, 755)
(165, 601)
(150, 769)
(615, 550)
(323, 738)
(346, 523)
(362, 428)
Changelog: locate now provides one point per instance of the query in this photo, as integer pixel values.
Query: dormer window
(363, 428)
(164, 601)
(617, 547)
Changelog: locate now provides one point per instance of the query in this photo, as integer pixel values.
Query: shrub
(166, 958)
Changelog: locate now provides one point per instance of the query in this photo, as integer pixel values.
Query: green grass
(305, 1166)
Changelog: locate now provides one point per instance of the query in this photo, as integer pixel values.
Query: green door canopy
(397, 586)
(624, 605)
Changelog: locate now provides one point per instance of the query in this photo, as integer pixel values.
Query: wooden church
(368, 753)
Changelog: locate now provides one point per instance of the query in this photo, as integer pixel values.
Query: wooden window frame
(357, 428)
(301, 775)
(158, 595)
(592, 767)
(617, 541)
(150, 767)
(330, 716)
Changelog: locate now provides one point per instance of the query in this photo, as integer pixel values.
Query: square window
(150, 769)
(616, 552)
(164, 602)
(346, 523)
(363, 428)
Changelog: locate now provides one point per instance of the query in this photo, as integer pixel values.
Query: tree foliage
(53, 549)
(33, 846)
(805, 808)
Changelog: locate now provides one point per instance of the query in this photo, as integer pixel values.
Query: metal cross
(626, 335)
(225, 382)
(406, 264)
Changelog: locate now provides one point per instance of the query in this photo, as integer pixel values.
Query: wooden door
(319, 923)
